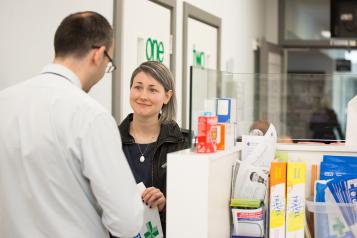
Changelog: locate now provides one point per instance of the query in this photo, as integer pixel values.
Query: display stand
(198, 186)
(198, 193)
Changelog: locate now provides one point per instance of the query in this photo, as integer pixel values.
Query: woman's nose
(143, 95)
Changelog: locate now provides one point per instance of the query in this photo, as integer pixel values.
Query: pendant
(142, 159)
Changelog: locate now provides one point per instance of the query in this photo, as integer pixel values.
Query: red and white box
(207, 134)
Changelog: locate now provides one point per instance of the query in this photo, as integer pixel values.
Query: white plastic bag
(152, 224)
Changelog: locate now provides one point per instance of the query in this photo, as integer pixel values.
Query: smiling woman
(150, 132)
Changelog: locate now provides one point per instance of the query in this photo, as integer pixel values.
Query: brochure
(251, 182)
(259, 150)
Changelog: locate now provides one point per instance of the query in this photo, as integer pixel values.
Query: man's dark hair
(79, 32)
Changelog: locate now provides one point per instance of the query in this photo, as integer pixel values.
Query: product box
(277, 199)
(226, 110)
(221, 136)
(248, 222)
(223, 109)
(295, 207)
(207, 134)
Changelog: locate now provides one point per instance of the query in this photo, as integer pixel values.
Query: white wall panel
(27, 33)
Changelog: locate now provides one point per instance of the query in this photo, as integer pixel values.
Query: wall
(27, 39)
(27, 32)
(271, 21)
(242, 23)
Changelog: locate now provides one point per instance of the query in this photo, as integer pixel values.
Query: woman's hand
(153, 197)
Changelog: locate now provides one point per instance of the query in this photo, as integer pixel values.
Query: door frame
(190, 11)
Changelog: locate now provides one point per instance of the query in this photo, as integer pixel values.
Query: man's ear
(98, 55)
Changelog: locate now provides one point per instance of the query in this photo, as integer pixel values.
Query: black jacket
(171, 139)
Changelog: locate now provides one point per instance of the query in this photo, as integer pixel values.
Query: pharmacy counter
(198, 193)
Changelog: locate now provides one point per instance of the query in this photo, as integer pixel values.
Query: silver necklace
(142, 157)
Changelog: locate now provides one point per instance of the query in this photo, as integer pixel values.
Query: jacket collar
(168, 132)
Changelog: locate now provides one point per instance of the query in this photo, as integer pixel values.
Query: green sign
(154, 50)
(199, 58)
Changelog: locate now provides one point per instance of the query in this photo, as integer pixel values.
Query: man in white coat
(62, 170)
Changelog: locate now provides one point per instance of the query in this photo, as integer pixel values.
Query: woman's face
(147, 95)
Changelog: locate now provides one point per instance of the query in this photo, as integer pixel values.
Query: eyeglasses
(111, 66)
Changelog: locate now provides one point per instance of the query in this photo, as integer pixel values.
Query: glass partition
(302, 107)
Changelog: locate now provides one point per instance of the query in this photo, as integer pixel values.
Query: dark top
(171, 138)
(141, 170)
(325, 126)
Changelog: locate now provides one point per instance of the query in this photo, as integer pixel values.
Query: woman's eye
(153, 90)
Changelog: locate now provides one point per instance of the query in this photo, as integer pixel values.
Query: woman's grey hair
(163, 75)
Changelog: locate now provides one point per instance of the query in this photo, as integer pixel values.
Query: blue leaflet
(331, 170)
(339, 159)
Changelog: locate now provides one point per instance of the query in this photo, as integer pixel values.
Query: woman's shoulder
(172, 129)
